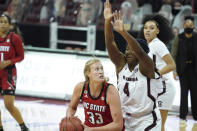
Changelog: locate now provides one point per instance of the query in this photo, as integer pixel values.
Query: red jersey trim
(84, 86)
(104, 88)
(95, 98)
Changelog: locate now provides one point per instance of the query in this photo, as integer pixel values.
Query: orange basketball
(71, 124)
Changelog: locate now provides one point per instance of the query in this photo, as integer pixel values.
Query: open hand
(118, 24)
(107, 11)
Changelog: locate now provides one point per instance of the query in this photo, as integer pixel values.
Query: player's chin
(129, 61)
(100, 80)
(3, 29)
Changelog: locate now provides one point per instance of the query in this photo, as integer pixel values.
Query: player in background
(11, 52)
(100, 100)
(157, 32)
(135, 69)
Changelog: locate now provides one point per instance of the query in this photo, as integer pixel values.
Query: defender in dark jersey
(11, 52)
(100, 100)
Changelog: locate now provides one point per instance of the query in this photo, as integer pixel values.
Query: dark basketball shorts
(8, 81)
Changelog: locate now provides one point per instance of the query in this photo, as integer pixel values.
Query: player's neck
(149, 40)
(95, 88)
(131, 66)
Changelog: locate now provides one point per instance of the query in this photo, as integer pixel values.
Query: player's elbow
(173, 66)
(20, 57)
(119, 125)
(70, 111)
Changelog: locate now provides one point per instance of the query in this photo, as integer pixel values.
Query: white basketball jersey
(137, 96)
(166, 90)
(158, 50)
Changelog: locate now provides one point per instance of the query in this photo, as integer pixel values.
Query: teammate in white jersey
(156, 31)
(135, 70)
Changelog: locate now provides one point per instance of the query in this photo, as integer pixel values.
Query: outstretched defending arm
(146, 64)
(114, 54)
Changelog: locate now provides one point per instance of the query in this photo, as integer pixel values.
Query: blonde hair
(87, 66)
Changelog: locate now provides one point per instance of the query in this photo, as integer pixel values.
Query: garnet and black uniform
(97, 111)
(138, 101)
(11, 48)
(167, 90)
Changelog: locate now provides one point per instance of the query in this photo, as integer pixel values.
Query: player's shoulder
(111, 85)
(15, 36)
(111, 88)
(157, 45)
(157, 42)
(79, 87)
(80, 84)
(112, 94)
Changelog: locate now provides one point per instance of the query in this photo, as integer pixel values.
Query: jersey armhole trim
(84, 86)
(11, 40)
(106, 88)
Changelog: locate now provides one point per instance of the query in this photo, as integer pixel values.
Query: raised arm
(146, 64)
(71, 110)
(114, 54)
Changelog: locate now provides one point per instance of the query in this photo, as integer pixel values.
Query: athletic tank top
(7, 50)
(138, 97)
(97, 111)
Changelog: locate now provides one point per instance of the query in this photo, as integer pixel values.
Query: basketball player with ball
(100, 99)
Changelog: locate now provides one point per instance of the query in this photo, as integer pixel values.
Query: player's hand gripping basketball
(72, 123)
(107, 11)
